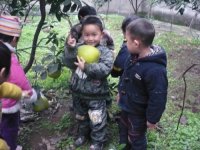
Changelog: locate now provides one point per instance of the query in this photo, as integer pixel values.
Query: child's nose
(90, 38)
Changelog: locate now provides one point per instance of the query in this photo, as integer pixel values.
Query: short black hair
(144, 30)
(5, 58)
(92, 20)
(85, 11)
(128, 20)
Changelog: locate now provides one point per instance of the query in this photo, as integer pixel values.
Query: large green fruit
(89, 53)
(41, 104)
(55, 75)
(54, 70)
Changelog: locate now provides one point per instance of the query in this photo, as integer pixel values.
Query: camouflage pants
(92, 118)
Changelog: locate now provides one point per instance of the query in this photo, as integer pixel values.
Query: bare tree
(136, 4)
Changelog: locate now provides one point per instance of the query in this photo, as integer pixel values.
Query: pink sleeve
(17, 75)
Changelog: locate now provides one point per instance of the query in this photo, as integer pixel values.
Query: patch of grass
(65, 143)
(64, 123)
(186, 137)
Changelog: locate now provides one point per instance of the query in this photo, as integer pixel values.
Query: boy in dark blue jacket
(143, 85)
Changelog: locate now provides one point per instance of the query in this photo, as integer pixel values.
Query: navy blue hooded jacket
(143, 85)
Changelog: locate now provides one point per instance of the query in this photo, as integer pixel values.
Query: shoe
(96, 146)
(80, 141)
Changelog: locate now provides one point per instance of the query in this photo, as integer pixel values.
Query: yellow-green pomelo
(55, 75)
(41, 104)
(89, 53)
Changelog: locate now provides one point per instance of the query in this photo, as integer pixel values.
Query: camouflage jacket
(93, 84)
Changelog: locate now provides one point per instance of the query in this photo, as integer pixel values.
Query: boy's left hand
(151, 126)
(80, 63)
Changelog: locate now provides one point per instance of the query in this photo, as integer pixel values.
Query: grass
(186, 138)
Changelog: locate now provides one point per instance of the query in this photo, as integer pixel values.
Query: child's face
(132, 44)
(92, 34)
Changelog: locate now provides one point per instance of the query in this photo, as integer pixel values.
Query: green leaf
(43, 75)
(67, 2)
(53, 48)
(38, 68)
(58, 16)
(21, 13)
(49, 57)
(23, 3)
(77, 2)
(66, 8)
(73, 8)
(55, 41)
(14, 12)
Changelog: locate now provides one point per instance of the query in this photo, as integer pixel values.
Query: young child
(118, 69)
(143, 86)
(8, 90)
(10, 30)
(76, 33)
(123, 52)
(76, 29)
(90, 92)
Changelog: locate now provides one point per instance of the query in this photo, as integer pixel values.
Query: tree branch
(131, 2)
(37, 32)
(184, 95)
(139, 4)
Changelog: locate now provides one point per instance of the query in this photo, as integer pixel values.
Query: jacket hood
(157, 55)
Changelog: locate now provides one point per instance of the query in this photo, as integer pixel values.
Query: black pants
(132, 131)
(92, 118)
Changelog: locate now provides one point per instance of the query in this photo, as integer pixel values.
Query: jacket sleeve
(9, 90)
(156, 84)
(101, 69)
(70, 54)
(121, 58)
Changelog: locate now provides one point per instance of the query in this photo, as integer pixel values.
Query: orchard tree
(180, 5)
(23, 8)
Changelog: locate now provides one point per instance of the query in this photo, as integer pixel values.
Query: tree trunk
(36, 35)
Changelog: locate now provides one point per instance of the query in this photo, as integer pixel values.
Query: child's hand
(71, 41)
(151, 126)
(117, 98)
(26, 94)
(80, 63)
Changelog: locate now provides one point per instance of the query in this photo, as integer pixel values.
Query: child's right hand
(71, 41)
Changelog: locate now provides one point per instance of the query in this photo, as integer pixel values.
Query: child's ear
(136, 42)
(2, 71)
(2, 75)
